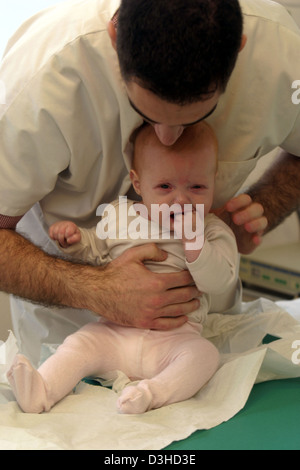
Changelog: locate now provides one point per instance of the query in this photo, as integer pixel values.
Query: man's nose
(168, 135)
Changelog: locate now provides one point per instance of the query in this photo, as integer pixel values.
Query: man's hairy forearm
(279, 189)
(28, 272)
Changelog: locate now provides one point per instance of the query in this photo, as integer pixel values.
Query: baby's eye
(165, 186)
(198, 186)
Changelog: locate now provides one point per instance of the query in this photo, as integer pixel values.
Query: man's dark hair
(181, 50)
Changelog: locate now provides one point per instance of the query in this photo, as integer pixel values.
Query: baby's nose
(181, 198)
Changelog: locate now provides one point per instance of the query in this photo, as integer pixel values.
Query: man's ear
(112, 34)
(135, 181)
(243, 42)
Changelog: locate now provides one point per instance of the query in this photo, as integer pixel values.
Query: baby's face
(181, 174)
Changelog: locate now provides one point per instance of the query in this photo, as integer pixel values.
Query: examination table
(253, 402)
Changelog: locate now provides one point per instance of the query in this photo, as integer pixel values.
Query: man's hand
(135, 296)
(247, 221)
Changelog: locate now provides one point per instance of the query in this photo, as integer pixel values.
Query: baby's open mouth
(174, 214)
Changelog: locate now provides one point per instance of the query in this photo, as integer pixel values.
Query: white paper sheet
(88, 418)
(7, 352)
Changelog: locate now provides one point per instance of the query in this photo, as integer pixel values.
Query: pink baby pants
(172, 366)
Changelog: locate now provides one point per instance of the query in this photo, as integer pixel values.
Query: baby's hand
(65, 233)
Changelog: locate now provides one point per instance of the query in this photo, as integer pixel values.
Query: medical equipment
(272, 272)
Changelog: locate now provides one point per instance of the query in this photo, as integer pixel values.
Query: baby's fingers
(75, 238)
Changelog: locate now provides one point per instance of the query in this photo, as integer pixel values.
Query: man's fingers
(252, 217)
(174, 280)
(244, 211)
(257, 226)
(257, 239)
(182, 296)
(253, 212)
(179, 310)
(151, 252)
(165, 299)
(148, 252)
(166, 324)
(238, 203)
(174, 316)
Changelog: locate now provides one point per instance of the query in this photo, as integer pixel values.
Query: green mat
(269, 421)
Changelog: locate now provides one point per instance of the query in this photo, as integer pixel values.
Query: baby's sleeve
(216, 268)
(91, 249)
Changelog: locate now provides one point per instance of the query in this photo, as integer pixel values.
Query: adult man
(65, 134)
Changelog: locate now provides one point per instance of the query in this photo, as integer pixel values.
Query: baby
(169, 366)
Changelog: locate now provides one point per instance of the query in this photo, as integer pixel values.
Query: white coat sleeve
(216, 269)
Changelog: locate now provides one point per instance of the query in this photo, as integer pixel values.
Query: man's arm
(278, 190)
(269, 201)
(125, 291)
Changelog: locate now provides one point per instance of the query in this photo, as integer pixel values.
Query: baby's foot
(28, 386)
(135, 400)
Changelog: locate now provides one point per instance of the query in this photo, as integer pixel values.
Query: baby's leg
(192, 363)
(87, 352)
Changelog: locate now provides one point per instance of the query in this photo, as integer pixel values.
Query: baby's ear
(135, 181)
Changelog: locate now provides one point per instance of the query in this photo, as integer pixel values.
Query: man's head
(176, 57)
(181, 50)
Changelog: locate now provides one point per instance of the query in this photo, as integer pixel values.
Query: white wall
(14, 12)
